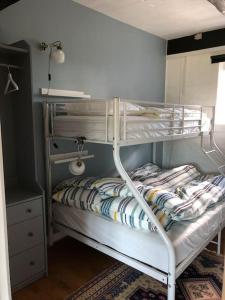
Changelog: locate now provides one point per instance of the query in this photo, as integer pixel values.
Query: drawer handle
(29, 210)
(32, 263)
(30, 234)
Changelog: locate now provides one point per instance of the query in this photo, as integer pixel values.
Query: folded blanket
(127, 211)
(189, 203)
(148, 175)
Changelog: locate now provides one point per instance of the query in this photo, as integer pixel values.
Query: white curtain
(191, 79)
(220, 105)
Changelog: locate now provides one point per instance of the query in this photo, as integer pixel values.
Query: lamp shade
(77, 167)
(219, 4)
(58, 56)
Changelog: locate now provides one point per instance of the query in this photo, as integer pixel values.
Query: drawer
(25, 235)
(26, 265)
(21, 212)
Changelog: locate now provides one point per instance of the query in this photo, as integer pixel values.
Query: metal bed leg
(219, 243)
(171, 291)
(171, 287)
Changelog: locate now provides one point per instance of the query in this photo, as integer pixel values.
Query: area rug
(202, 280)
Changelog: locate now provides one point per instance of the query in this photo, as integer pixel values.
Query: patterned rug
(202, 280)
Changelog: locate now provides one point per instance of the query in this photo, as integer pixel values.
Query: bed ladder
(214, 153)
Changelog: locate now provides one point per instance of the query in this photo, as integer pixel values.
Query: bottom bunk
(189, 205)
(157, 221)
(144, 246)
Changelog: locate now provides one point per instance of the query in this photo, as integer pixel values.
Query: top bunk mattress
(101, 108)
(135, 127)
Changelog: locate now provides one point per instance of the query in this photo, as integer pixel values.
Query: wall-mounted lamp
(56, 51)
(219, 4)
(198, 36)
(56, 54)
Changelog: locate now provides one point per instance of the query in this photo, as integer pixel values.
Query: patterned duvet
(179, 194)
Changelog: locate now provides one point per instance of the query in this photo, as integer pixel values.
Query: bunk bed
(121, 123)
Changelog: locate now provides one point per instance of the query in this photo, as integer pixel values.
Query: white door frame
(5, 289)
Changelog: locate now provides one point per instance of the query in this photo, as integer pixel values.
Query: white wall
(5, 292)
(192, 79)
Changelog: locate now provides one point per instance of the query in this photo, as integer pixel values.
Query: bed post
(218, 252)
(154, 149)
(48, 172)
(116, 155)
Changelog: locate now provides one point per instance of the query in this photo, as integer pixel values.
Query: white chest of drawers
(26, 241)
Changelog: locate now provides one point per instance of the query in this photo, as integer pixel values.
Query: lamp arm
(56, 44)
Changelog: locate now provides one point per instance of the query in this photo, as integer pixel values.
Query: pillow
(218, 181)
(78, 181)
(139, 174)
(146, 171)
(173, 178)
(78, 197)
(114, 187)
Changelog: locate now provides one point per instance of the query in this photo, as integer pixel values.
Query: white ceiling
(165, 18)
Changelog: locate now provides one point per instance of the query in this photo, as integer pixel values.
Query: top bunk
(126, 122)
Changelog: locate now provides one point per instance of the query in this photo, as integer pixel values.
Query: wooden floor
(71, 264)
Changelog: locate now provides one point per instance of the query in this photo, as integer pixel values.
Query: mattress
(136, 127)
(100, 107)
(143, 245)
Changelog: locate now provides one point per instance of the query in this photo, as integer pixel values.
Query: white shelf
(64, 93)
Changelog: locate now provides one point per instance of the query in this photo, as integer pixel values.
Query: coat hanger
(11, 85)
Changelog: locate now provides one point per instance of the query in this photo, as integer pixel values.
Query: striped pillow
(146, 171)
(78, 197)
(114, 187)
(171, 179)
(78, 181)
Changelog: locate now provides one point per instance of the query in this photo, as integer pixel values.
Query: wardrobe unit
(24, 196)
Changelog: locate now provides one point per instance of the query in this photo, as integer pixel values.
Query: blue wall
(104, 58)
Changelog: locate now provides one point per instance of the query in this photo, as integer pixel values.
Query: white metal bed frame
(174, 271)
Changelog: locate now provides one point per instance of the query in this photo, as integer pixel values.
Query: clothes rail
(10, 66)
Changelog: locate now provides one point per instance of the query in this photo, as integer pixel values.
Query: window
(220, 102)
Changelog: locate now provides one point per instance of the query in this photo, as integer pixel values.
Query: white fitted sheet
(137, 127)
(99, 108)
(144, 246)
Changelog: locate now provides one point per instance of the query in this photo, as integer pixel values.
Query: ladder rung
(210, 151)
(214, 242)
(221, 167)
